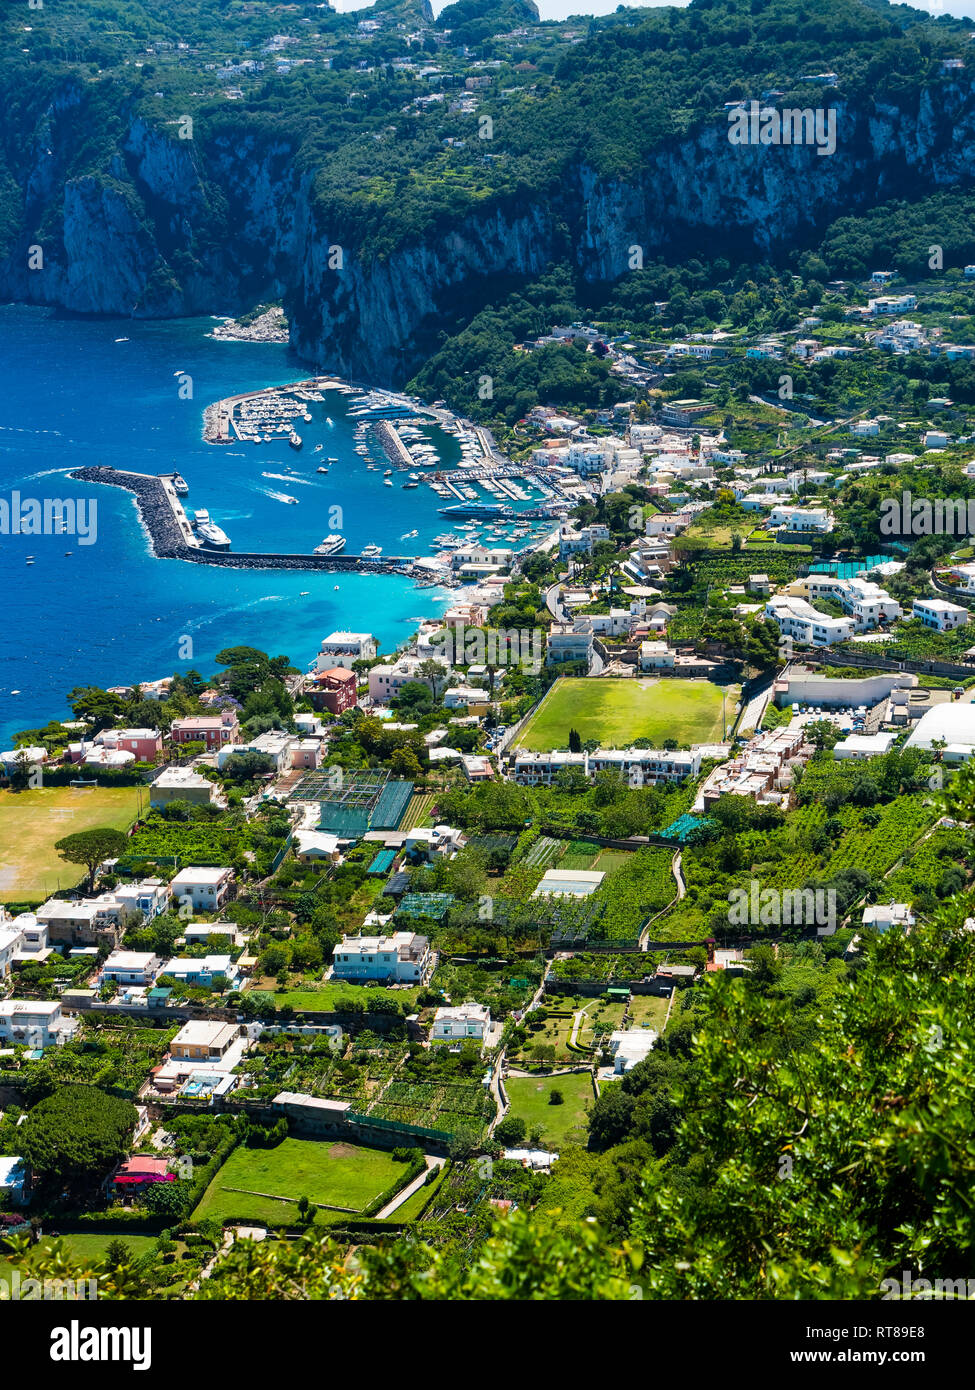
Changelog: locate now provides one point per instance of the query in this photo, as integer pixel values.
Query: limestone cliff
(191, 226)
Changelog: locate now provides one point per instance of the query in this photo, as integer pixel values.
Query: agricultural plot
(449, 1106)
(616, 712)
(419, 810)
(935, 862)
(264, 1184)
(32, 821)
(543, 853)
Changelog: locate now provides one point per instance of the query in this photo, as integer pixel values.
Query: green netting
(433, 905)
(393, 801)
(382, 861)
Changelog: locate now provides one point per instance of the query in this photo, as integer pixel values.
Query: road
(431, 1161)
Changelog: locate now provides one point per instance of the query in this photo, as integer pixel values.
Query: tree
(510, 1131)
(555, 1096)
(91, 848)
(77, 1134)
(575, 741)
(117, 1253)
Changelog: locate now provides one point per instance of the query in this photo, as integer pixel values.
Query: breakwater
(171, 537)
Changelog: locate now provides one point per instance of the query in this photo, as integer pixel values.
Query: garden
(553, 1122)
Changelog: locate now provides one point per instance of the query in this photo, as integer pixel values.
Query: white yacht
(371, 552)
(211, 536)
(331, 545)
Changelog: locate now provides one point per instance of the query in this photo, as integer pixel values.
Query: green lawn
(253, 1184)
(322, 997)
(31, 822)
(616, 712)
(83, 1245)
(561, 1124)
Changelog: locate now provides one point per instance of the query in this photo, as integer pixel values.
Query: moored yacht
(331, 545)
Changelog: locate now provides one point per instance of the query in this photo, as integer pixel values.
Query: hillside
(160, 176)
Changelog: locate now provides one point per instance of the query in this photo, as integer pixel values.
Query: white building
(882, 916)
(206, 889)
(939, 613)
(565, 644)
(630, 1046)
(35, 1023)
(798, 619)
(641, 766)
(461, 1021)
(801, 518)
(344, 648)
(949, 727)
(132, 967)
(867, 603)
(859, 746)
(402, 957)
(202, 971)
(150, 897)
(182, 784)
(11, 938)
(433, 842)
(657, 656)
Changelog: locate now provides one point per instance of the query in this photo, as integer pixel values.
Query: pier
(172, 538)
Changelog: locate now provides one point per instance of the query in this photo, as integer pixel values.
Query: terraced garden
(448, 1106)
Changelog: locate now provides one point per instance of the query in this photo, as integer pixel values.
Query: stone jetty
(171, 537)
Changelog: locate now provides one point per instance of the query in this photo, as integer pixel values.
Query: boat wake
(290, 478)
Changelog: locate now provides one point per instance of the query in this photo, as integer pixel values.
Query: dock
(171, 536)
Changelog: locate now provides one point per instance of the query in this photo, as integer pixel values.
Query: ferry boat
(331, 545)
(486, 511)
(371, 552)
(180, 485)
(212, 536)
(295, 440)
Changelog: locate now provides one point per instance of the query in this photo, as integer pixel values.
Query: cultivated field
(31, 822)
(255, 1184)
(616, 712)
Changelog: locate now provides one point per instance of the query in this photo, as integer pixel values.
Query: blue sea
(82, 392)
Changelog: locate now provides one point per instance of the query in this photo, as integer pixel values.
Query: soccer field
(31, 822)
(616, 712)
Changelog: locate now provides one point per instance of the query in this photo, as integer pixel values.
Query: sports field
(31, 822)
(616, 712)
(254, 1184)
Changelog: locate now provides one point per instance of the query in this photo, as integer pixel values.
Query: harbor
(391, 426)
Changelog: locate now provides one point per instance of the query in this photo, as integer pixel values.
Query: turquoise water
(110, 613)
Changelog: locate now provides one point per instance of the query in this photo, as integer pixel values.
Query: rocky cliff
(185, 226)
